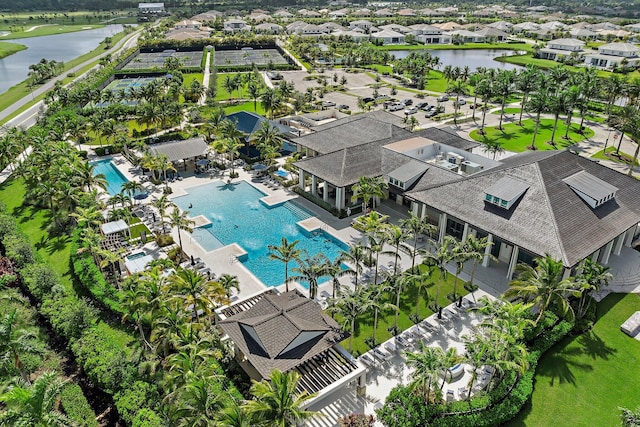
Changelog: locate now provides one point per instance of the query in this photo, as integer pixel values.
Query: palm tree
(395, 236)
(181, 221)
(355, 255)
(310, 270)
(439, 259)
(234, 415)
(35, 405)
(591, 277)
(538, 104)
(375, 296)
(368, 188)
(277, 403)
(543, 285)
(270, 101)
(201, 402)
(493, 146)
(475, 249)
(459, 256)
(162, 203)
(349, 305)
(484, 89)
(254, 93)
(285, 253)
(15, 343)
(527, 81)
(426, 364)
(503, 89)
(414, 226)
(448, 358)
(457, 87)
(228, 282)
(196, 292)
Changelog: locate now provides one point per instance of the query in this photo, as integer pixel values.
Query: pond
(60, 47)
(473, 58)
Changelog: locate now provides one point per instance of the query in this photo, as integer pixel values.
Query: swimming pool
(115, 179)
(238, 216)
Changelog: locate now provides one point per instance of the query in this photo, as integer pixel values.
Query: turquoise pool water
(115, 179)
(238, 216)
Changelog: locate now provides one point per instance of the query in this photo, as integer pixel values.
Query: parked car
(396, 106)
(407, 101)
(367, 99)
(474, 106)
(382, 96)
(443, 98)
(273, 75)
(430, 114)
(343, 107)
(422, 106)
(462, 101)
(328, 104)
(410, 110)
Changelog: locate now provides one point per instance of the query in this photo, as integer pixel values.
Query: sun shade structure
(180, 150)
(138, 264)
(113, 227)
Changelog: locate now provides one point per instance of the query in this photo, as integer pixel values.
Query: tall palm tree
(180, 220)
(395, 236)
(270, 101)
(228, 282)
(369, 188)
(543, 286)
(35, 405)
(355, 255)
(276, 402)
(538, 104)
(459, 256)
(201, 401)
(503, 89)
(162, 203)
(485, 91)
(439, 260)
(457, 87)
(235, 415)
(420, 278)
(376, 296)
(591, 277)
(475, 249)
(426, 363)
(285, 253)
(349, 305)
(527, 81)
(196, 292)
(310, 269)
(415, 226)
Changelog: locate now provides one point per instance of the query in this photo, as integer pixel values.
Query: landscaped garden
(613, 155)
(517, 138)
(584, 379)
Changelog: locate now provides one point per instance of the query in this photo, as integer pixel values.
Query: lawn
(584, 379)
(221, 92)
(47, 30)
(244, 106)
(517, 138)
(54, 251)
(626, 158)
(7, 49)
(527, 59)
(386, 319)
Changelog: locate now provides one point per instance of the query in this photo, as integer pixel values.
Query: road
(28, 117)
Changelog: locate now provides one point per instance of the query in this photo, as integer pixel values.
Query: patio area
(387, 367)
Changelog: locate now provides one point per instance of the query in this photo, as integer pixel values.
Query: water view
(473, 58)
(60, 47)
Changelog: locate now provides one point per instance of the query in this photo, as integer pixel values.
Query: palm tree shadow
(559, 365)
(595, 347)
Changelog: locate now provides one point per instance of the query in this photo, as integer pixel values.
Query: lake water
(473, 58)
(60, 47)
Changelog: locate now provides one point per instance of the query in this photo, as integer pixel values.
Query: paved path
(206, 79)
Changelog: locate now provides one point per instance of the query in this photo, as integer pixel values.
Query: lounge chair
(391, 346)
(367, 360)
(450, 396)
(463, 392)
(402, 341)
(380, 354)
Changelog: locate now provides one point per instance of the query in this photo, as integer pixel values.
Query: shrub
(76, 407)
(147, 418)
(39, 278)
(139, 395)
(19, 250)
(164, 240)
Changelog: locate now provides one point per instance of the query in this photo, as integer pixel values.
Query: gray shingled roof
(409, 170)
(266, 333)
(550, 217)
(178, 150)
(447, 136)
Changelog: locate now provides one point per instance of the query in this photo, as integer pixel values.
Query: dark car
(422, 106)
(430, 113)
(343, 107)
(474, 106)
(407, 102)
(367, 99)
(274, 75)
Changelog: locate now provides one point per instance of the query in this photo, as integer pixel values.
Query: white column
(442, 225)
(513, 261)
(618, 245)
(314, 185)
(423, 212)
(629, 237)
(301, 179)
(399, 200)
(325, 192)
(566, 273)
(415, 208)
(465, 231)
(607, 253)
(487, 251)
(339, 198)
(595, 255)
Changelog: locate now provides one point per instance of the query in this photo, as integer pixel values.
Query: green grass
(244, 106)
(48, 30)
(386, 319)
(382, 69)
(435, 82)
(517, 138)
(584, 379)
(7, 49)
(221, 92)
(508, 110)
(626, 158)
(55, 251)
(527, 59)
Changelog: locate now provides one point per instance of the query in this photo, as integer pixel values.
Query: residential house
(362, 24)
(388, 37)
(614, 55)
(396, 27)
(501, 25)
(466, 36)
(282, 14)
(268, 28)
(427, 34)
(235, 25)
(491, 33)
(561, 48)
(383, 13)
(151, 8)
(406, 12)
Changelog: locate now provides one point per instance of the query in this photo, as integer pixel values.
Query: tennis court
(248, 56)
(151, 60)
(128, 84)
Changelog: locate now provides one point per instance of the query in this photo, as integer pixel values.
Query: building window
(496, 200)
(487, 197)
(503, 203)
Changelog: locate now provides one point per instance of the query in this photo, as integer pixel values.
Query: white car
(396, 107)
(328, 104)
(411, 110)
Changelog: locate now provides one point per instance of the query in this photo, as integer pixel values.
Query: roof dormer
(505, 192)
(591, 189)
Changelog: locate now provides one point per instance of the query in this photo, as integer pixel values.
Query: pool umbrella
(259, 167)
(202, 162)
(141, 196)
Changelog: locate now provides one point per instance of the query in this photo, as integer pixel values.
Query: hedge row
(404, 407)
(76, 407)
(104, 361)
(91, 278)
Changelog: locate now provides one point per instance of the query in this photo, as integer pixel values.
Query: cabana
(115, 227)
(137, 265)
